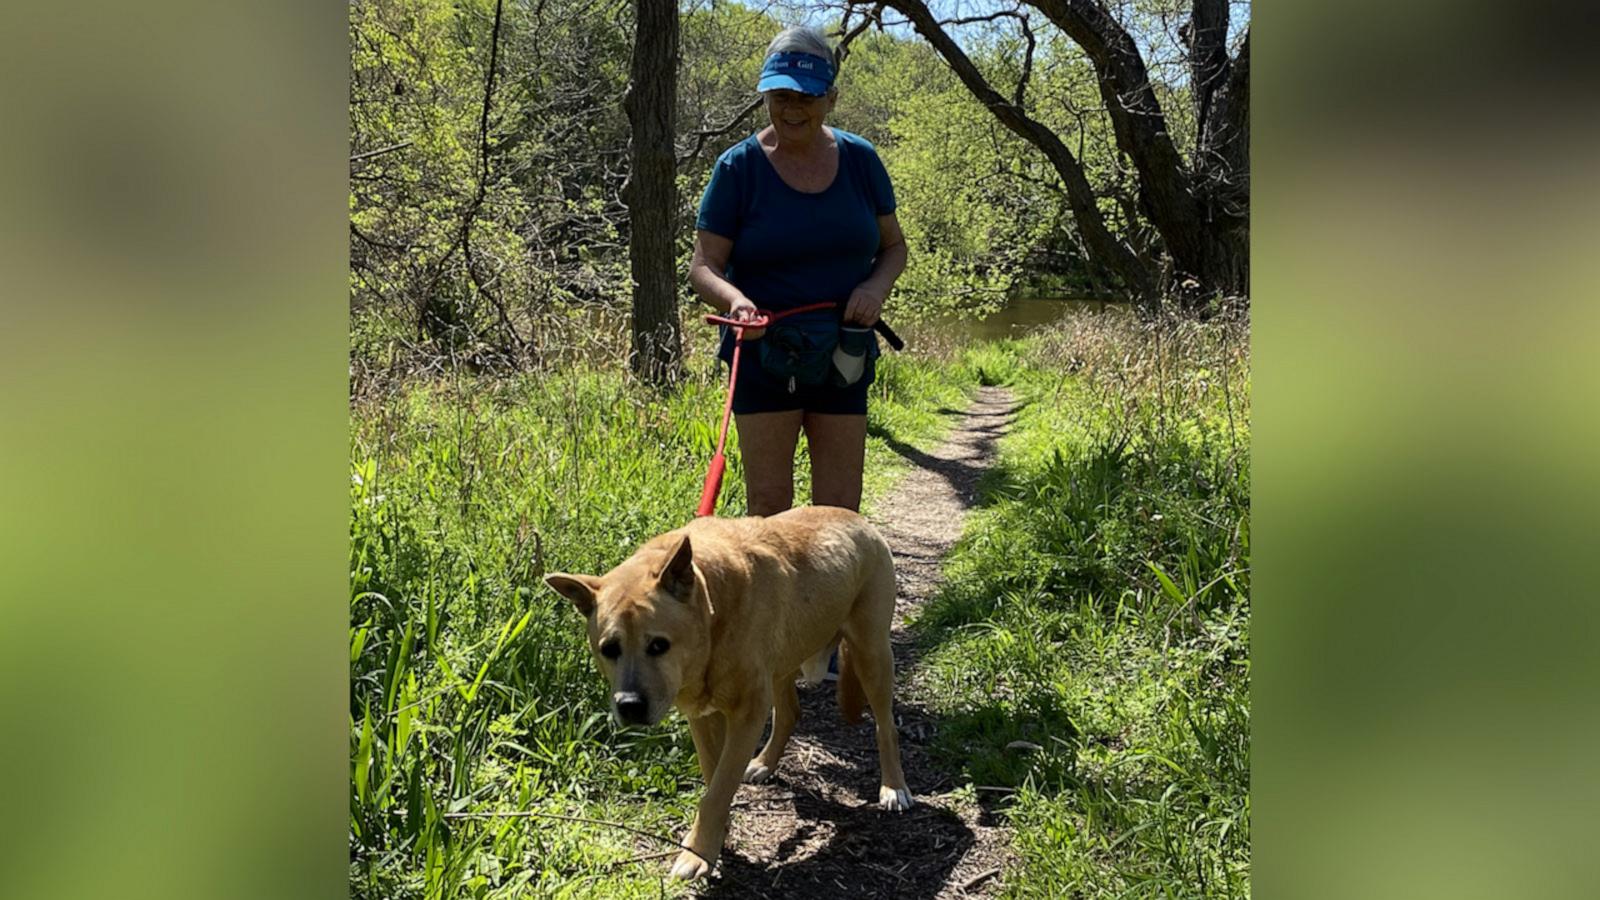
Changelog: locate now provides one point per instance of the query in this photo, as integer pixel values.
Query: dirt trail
(815, 829)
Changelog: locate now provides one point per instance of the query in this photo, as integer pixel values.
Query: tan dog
(718, 617)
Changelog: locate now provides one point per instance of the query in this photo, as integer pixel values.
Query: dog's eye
(658, 646)
(611, 649)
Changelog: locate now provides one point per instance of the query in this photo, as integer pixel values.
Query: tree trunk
(651, 193)
(1224, 167)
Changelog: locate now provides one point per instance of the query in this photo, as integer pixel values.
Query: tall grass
(1089, 653)
(472, 694)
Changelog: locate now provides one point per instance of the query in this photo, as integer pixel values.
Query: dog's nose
(631, 707)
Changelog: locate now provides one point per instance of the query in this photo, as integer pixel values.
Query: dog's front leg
(707, 731)
(742, 730)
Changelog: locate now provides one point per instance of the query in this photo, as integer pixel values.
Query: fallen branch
(535, 814)
(973, 881)
(645, 857)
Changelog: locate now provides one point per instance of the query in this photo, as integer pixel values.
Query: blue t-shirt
(791, 248)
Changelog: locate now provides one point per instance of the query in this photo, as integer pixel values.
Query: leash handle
(760, 321)
(765, 318)
(883, 328)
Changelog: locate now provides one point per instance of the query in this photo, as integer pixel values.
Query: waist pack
(801, 356)
(814, 355)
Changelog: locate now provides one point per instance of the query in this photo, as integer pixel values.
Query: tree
(651, 192)
(1198, 206)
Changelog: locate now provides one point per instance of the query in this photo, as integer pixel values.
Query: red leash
(708, 494)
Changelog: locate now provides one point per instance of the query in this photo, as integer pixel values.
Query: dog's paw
(895, 799)
(756, 773)
(689, 867)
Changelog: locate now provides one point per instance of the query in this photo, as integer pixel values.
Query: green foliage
(548, 230)
(1090, 649)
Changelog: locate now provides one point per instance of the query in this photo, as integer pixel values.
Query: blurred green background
(1427, 203)
(173, 443)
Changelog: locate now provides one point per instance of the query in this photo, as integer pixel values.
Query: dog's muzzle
(632, 707)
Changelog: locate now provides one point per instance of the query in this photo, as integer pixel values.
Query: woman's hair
(804, 39)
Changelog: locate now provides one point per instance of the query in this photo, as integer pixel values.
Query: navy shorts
(758, 392)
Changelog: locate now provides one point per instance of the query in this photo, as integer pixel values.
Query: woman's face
(796, 116)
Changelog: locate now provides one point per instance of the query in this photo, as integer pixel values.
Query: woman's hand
(865, 304)
(743, 310)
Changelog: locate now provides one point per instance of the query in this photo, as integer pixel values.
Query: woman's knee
(768, 488)
(768, 503)
(836, 493)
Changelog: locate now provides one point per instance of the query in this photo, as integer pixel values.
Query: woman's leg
(766, 446)
(838, 447)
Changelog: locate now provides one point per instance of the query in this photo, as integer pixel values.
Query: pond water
(1022, 315)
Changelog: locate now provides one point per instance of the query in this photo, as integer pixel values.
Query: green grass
(471, 689)
(993, 363)
(1089, 654)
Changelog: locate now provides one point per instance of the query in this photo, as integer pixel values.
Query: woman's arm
(710, 260)
(866, 301)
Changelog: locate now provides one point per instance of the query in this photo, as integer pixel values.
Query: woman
(798, 214)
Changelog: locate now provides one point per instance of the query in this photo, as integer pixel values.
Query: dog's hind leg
(874, 665)
(785, 712)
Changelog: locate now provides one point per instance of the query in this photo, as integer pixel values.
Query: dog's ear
(677, 576)
(580, 589)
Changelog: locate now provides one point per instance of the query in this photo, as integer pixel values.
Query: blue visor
(801, 72)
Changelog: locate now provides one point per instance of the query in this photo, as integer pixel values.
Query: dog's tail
(852, 700)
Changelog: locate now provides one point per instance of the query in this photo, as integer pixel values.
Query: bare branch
(702, 136)
(1027, 65)
(876, 15)
(973, 20)
(483, 181)
(380, 151)
(1206, 34)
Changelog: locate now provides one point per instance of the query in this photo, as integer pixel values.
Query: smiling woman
(795, 215)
